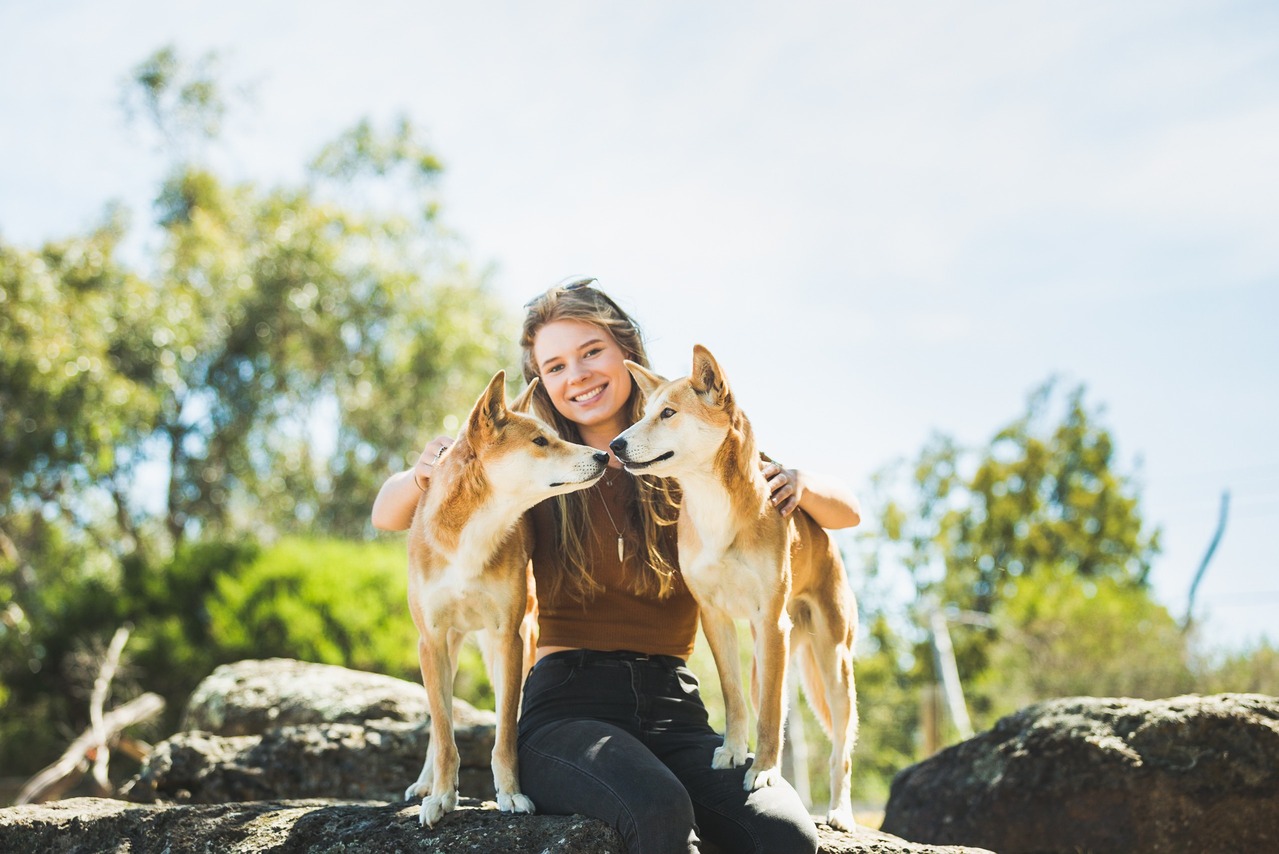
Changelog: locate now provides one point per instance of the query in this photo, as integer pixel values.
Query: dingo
(740, 558)
(468, 571)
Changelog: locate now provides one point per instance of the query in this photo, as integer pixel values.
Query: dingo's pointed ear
(644, 378)
(708, 378)
(522, 403)
(490, 408)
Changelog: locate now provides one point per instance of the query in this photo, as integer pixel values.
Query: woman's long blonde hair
(657, 504)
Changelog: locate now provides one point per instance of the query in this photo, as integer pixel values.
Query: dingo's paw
(514, 802)
(757, 777)
(728, 757)
(435, 806)
(418, 789)
(841, 819)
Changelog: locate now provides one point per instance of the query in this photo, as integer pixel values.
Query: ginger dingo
(469, 571)
(742, 559)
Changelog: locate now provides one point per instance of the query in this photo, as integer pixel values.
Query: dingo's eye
(541, 441)
(667, 412)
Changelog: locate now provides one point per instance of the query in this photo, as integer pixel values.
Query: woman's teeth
(588, 396)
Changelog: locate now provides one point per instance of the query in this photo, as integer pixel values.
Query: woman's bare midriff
(547, 650)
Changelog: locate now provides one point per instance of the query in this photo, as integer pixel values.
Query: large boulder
(375, 760)
(250, 697)
(84, 825)
(1187, 774)
(282, 729)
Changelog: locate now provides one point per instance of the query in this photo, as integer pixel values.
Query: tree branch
(50, 783)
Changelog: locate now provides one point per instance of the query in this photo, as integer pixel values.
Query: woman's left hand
(784, 486)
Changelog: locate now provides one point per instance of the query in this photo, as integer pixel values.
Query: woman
(612, 724)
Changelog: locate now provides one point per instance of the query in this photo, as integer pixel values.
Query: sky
(887, 220)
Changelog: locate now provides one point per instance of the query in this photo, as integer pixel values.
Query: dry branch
(67, 771)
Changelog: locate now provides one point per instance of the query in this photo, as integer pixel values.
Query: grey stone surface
(84, 825)
(1187, 774)
(250, 697)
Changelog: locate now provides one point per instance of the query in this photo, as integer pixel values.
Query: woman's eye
(554, 369)
(541, 441)
(667, 412)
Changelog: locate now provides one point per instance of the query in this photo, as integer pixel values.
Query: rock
(372, 761)
(97, 825)
(863, 840)
(250, 697)
(1187, 774)
(282, 729)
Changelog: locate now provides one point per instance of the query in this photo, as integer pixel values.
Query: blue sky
(886, 219)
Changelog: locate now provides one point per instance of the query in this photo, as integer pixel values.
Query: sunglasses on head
(574, 284)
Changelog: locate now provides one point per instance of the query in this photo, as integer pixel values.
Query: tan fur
(469, 570)
(742, 559)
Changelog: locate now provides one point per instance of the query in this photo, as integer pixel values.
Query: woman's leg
(596, 769)
(767, 820)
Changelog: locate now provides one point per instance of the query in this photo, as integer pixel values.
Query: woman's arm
(397, 499)
(830, 503)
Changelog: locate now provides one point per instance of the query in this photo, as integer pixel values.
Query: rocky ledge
(83, 825)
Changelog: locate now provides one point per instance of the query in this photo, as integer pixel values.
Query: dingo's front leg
(504, 652)
(772, 642)
(437, 676)
(721, 634)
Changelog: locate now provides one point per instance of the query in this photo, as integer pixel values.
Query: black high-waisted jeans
(624, 737)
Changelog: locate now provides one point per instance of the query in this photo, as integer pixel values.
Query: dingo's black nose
(618, 445)
(601, 457)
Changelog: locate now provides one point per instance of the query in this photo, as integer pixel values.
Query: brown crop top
(615, 618)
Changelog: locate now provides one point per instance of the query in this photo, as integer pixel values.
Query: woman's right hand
(398, 498)
(430, 455)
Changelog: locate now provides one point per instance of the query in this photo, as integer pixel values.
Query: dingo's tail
(810, 674)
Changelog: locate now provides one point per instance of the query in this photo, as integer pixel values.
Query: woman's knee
(786, 834)
(594, 769)
(661, 820)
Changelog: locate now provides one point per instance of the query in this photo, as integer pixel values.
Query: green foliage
(327, 601)
(1035, 549)
(1248, 671)
(1063, 634)
(279, 357)
(176, 96)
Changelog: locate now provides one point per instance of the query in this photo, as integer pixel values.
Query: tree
(1029, 545)
(276, 354)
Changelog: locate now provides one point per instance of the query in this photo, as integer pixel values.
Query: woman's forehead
(561, 338)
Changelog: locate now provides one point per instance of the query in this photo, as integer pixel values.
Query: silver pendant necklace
(620, 545)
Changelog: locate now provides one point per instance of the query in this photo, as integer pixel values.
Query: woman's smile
(590, 396)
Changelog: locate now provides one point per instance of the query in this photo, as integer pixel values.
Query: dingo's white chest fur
(458, 593)
(738, 577)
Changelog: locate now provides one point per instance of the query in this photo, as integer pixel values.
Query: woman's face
(581, 367)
